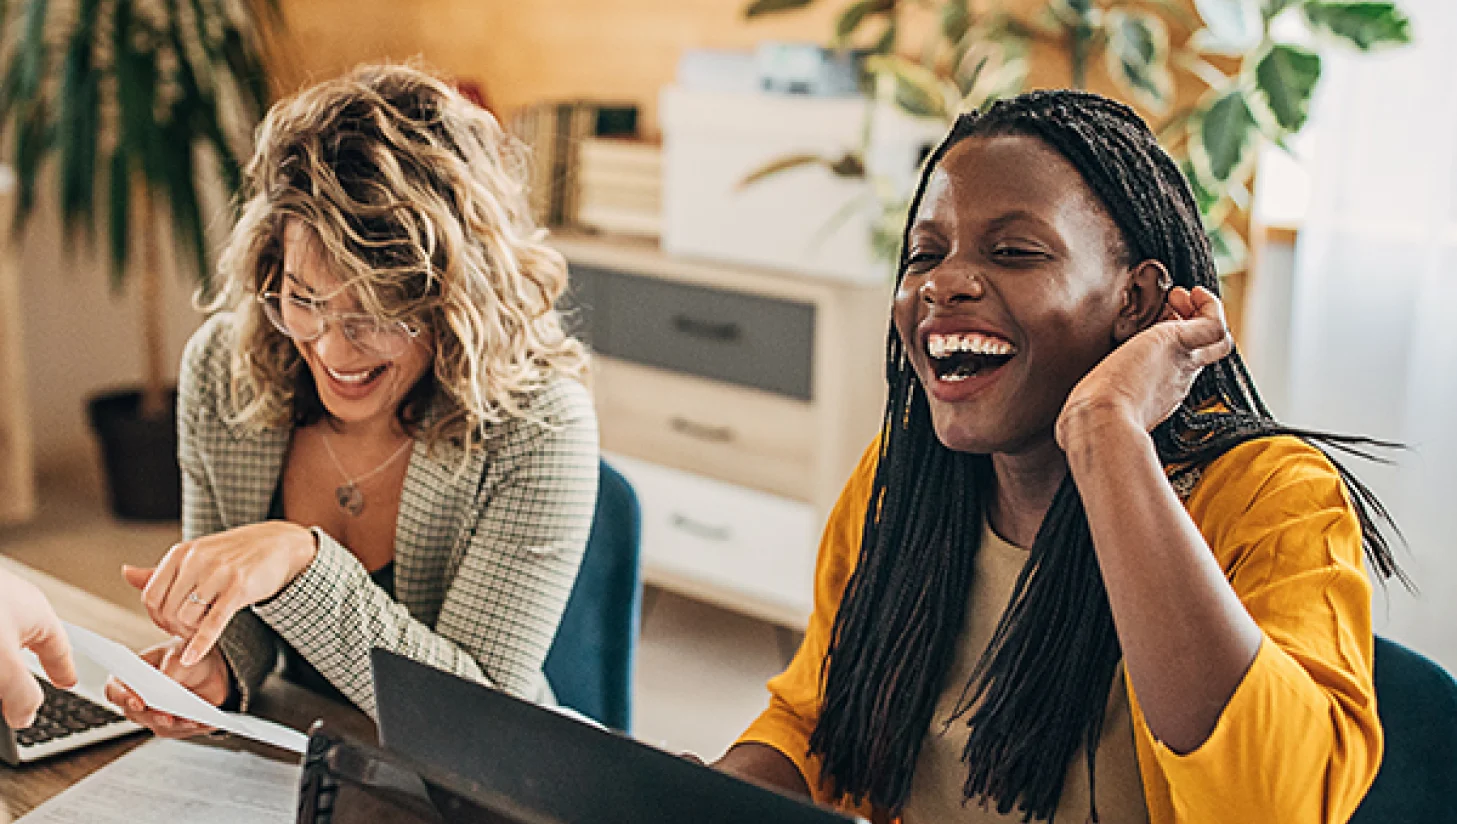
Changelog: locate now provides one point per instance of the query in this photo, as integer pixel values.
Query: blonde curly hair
(416, 198)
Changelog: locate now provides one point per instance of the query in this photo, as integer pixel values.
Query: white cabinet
(737, 401)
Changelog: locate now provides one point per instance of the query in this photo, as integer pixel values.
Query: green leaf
(1230, 252)
(1285, 78)
(850, 165)
(33, 50)
(1366, 25)
(1224, 134)
(78, 122)
(955, 20)
(887, 41)
(181, 187)
(1234, 26)
(761, 7)
(118, 210)
(1137, 56)
(200, 24)
(917, 89)
(247, 70)
(1271, 9)
(856, 14)
(33, 138)
(991, 68)
(1203, 197)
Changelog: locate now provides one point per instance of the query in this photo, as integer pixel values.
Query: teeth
(350, 377)
(940, 346)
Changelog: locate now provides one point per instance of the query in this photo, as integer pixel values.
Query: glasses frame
(330, 317)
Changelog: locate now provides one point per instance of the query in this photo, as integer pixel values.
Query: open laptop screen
(562, 769)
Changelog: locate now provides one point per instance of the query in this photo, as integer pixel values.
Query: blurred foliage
(123, 94)
(1259, 85)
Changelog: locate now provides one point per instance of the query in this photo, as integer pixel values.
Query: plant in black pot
(133, 101)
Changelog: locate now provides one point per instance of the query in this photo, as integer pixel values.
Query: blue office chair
(589, 665)
(1417, 702)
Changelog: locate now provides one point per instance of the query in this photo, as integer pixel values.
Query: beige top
(936, 790)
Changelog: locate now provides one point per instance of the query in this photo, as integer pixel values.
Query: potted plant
(132, 99)
(1259, 79)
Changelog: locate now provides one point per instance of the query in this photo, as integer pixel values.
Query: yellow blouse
(1299, 741)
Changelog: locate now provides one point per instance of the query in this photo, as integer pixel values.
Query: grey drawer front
(728, 336)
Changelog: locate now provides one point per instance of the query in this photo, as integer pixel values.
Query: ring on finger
(194, 598)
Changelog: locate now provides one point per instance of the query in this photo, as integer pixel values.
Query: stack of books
(620, 186)
(555, 132)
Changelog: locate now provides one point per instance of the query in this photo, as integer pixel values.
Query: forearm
(334, 614)
(1187, 640)
(762, 764)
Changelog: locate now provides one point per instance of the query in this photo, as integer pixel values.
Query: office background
(1342, 316)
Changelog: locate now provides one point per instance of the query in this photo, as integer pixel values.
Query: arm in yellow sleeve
(796, 693)
(1299, 742)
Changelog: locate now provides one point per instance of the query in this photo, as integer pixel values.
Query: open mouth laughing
(956, 357)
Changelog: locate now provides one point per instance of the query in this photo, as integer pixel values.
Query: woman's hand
(208, 678)
(201, 584)
(1143, 381)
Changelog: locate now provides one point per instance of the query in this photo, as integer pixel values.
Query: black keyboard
(64, 722)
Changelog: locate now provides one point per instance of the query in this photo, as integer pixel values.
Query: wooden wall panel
(522, 52)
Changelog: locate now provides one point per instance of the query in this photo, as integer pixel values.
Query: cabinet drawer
(724, 540)
(760, 342)
(744, 436)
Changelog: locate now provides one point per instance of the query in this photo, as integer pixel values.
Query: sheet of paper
(175, 782)
(161, 692)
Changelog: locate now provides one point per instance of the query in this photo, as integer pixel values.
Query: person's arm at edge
(27, 621)
(762, 754)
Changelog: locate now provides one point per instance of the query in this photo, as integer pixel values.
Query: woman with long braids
(1083, 574)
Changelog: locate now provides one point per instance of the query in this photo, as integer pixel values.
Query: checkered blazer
(484, 558)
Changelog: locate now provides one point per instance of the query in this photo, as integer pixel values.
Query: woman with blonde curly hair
(383, 429)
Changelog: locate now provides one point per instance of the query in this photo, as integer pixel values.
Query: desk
(24, 789)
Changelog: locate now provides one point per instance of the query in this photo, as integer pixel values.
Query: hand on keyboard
(61, 714)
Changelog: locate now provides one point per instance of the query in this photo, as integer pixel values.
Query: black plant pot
(140, 456)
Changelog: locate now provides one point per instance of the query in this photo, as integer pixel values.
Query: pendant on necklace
(350, 499)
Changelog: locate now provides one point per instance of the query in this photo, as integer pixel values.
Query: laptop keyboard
(66, 721)
(64, 713)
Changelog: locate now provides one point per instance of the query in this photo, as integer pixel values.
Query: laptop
(67, 720)
(554, 768)
(344, 781)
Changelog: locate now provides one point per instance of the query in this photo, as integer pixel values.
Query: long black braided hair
(1039, 691)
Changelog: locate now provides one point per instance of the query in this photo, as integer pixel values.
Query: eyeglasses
(305, 320)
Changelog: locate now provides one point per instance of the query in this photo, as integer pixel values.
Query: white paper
(174, 782)
(162, 693)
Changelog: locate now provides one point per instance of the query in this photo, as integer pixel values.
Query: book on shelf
(554, 132)
(620, 186)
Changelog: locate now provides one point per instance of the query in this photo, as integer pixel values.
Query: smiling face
(1012, 292)
(359, 387)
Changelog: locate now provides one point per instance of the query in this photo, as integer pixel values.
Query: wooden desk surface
(25, 788)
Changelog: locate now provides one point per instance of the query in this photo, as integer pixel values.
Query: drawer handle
(701, 431)
(699, 529)
(707, 329)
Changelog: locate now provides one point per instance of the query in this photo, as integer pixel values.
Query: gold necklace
(347, 494)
